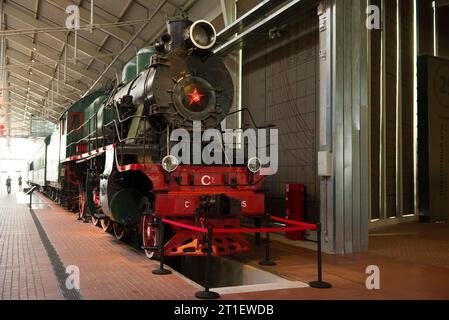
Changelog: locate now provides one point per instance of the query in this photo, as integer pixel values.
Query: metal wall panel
(390, 108)
(350, 194)
(325, 97)
(443, 31)
(407, 104)
(425, 32)
(364, 135)
(279, 87)
(375, 105)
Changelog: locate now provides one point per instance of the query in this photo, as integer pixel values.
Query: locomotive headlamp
(254, 164)
(170, 163)
(202, 34)
(195, 97)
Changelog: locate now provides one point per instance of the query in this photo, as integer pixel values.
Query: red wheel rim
(95, 221)
(149, 235)
(106, 224)
(119, 231)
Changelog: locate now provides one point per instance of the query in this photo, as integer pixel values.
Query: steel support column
(234, 64)
(344, 125)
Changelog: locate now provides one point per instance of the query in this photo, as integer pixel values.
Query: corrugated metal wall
(375, 134)
(443, 31)
(280, 88)
(350, 129)
(407, 103)
(392, 110)
(389, 109)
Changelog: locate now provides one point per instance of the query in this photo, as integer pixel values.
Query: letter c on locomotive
(206, 180)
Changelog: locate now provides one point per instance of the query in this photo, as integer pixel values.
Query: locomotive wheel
(119, 231)
(95, 221)
(149, 236)
(106, 224)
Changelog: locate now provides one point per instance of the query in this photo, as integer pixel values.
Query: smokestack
(186, 34)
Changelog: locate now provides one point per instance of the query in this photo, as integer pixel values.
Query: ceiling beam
(37, 91)
(116, 32)
(28, 44)
(26, 99)
(18, 113)
(122, 13)
(37, 8)
(43, 69)
(151, 5)
(33, 112)
(40, 102)
(126, 46)
(26, 102)
(41, 83)
(23, 17)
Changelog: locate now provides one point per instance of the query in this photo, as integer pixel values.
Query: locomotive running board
(89, 154)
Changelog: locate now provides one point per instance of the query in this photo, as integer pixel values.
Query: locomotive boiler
(115, 166)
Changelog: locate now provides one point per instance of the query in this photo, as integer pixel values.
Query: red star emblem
(195, 97)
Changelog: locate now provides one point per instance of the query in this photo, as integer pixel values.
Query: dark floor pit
(226, 273)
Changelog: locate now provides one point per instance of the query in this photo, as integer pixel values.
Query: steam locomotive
(110, 159)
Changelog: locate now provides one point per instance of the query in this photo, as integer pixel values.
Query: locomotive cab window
(75, 119)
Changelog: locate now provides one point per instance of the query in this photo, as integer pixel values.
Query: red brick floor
(25, 270)
(413, 259)
(110, 269)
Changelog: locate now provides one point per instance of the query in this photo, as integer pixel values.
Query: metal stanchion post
(257, 235)
(207, 294)
(161, 270)
(267, 261)
(320, 284)
(31, 199)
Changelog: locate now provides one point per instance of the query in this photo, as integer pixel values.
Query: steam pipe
(159, 7)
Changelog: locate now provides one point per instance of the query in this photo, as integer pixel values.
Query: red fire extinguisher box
(294, 205)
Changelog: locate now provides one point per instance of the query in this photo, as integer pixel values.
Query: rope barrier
(298, 226)
(207, 293)
(185, 226)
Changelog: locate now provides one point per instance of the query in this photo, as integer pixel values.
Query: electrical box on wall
(324, 163)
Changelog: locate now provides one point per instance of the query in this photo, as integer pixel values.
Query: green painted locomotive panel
(129, 71)
(143, 57)
(89, 129)
(104, 117)
(77, 114)
(125, 206)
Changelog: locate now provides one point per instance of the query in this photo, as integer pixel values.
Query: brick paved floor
(25, 270)
(110, 269)
(412, 258)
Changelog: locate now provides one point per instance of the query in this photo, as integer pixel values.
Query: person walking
(8, 184)
(20, 182)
